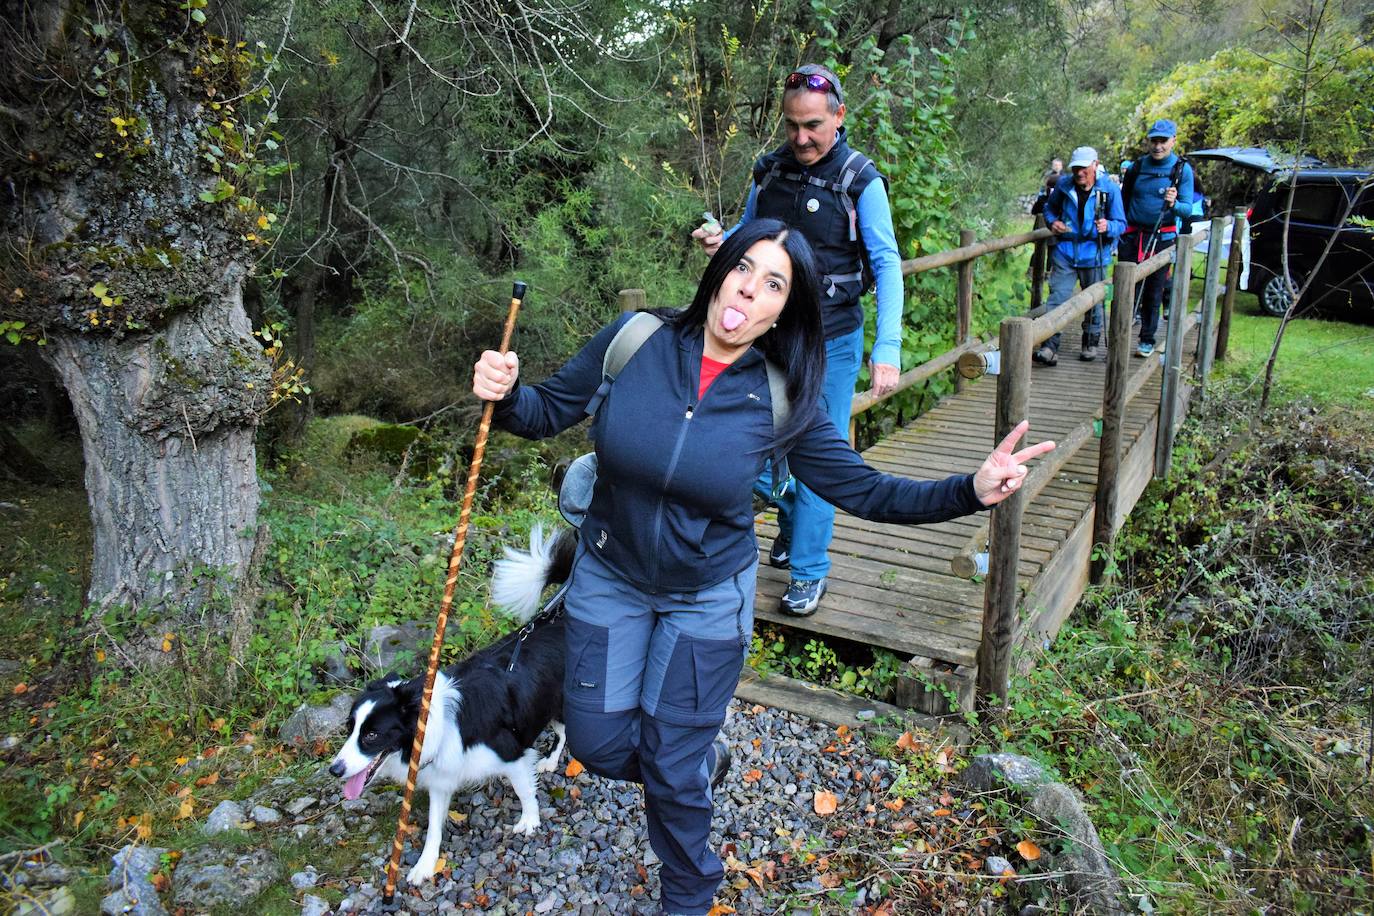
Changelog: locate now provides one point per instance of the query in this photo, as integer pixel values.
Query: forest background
(387, 169)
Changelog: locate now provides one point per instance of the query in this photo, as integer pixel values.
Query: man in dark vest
(836, 198)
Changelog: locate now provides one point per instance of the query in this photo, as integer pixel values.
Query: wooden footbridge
(959, 600)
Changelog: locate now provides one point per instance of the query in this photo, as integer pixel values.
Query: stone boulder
(1086, 875)
(309, 723)
(210, 877)
(386, 643)
(131, 883)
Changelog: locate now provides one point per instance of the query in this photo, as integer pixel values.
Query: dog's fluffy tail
(519, 580)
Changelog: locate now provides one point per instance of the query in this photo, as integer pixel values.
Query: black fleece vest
(811, 200)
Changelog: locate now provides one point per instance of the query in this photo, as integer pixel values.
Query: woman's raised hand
(1004, 470)
(494, 375)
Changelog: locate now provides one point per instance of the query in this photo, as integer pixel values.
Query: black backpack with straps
(853, 166)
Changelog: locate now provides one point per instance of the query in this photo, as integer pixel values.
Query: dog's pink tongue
(354, 787)
(732, 318)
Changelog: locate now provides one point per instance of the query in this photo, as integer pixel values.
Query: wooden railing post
(632, 300)
(963, 319)
(1173, 356)
(1001, 592)
(1240, 227)
(1113, 412)
(1038, 258)
(1209, 303)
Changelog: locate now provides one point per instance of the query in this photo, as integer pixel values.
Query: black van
(1326, 202)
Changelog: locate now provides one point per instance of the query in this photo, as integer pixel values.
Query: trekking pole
(1147, 251)
(454, 561)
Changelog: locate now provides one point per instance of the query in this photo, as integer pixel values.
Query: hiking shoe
(802, 598)
(1145, 350)
(721, 766)
(1088, 354)
(780, 556)
(1045, 356)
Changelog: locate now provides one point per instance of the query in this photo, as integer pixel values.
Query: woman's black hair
(797, 344)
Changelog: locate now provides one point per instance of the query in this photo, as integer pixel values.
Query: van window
(1313, 203)
(1364, 207)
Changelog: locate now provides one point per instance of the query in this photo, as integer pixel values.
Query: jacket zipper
(677, 454)
(663, 491)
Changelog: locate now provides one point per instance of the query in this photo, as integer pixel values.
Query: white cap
(1083, 156)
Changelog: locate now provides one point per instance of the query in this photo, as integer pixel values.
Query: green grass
(1330, 362)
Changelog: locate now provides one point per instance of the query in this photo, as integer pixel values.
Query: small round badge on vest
(812, 205)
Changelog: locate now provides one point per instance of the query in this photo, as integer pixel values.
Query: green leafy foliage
(1217, 696)
(1239, 97)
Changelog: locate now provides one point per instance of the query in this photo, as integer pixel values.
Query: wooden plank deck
(891, 586)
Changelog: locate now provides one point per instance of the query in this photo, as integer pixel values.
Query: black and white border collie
(484, 719)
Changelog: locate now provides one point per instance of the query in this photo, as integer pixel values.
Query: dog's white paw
(526, 825)
(423, 871)
(546, 765)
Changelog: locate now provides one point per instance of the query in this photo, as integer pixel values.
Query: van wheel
(1274, 297)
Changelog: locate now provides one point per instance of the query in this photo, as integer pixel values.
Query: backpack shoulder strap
(777, 393)
(853, 166)
(1176, 173)
(1128, 183)
(624, 345)
(782, 409)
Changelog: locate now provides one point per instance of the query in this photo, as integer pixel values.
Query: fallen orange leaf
(574, 769)
(720, 909)
(907, 742)
(829, 880)
(941, 812)
(1029, 851)
(20, 688)
(895, 804)
(825, 802)
(753, 776)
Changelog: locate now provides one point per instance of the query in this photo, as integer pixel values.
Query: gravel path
(591, 856)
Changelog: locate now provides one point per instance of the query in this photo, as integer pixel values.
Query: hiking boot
(802, 598)
(1145, 350)
(1089, 351)
(1045, 356)
(780, 556)
(721, 766)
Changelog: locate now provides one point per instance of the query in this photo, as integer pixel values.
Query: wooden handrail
(969, 252)
(964, 253)
(964, 563)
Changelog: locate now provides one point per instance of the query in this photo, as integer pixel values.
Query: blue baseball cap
(1163, 128)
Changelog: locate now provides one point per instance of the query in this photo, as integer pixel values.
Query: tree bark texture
(128, 119)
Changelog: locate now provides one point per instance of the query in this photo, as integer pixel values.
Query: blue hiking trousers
(646, 685)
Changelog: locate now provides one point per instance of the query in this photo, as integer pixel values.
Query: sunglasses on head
(812, 81)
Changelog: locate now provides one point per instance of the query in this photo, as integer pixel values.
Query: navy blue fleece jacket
(672, 509)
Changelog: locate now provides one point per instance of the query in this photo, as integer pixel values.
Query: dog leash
(552, 611)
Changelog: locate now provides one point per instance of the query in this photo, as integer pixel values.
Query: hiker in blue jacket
(660, 604)
(1158, 192)
(1084, 212)
(835, 197)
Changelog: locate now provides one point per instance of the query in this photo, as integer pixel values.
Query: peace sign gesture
(1003, 471)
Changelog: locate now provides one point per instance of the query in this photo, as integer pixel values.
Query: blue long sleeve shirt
(880, 242)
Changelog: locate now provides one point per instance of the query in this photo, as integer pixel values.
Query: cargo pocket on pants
(584, 677)
(699, 681)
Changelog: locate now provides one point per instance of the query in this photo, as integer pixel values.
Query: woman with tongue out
(660, 606)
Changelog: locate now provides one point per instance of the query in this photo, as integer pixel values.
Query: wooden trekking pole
(455, 559)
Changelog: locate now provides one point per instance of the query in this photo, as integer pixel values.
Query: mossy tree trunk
(135, 218)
